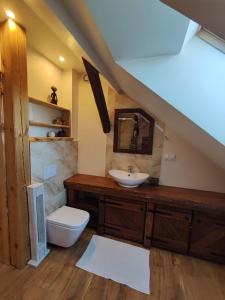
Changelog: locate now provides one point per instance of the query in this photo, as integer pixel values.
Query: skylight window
(212, 39)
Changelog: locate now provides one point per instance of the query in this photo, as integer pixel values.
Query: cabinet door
(208, 237)
(171, 229)
(124, 218)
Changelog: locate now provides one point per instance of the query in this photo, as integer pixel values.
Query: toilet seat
(68, 217)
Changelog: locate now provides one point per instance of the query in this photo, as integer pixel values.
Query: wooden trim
(47, 104)
(14, 57)
(65, 114)
(49, 139)
(148, 225)
(181, 198)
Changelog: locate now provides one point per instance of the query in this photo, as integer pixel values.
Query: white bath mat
(118, 261)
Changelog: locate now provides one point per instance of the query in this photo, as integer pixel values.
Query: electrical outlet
(170, 157)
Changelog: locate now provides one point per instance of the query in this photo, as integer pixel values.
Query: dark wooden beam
(96, 86)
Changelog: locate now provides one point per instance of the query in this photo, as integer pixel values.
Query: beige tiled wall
(62, 154)
(143, 163)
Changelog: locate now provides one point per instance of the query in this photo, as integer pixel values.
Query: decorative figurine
(54, 99)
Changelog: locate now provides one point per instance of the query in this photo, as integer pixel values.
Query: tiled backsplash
(61, 154)
(143, 163)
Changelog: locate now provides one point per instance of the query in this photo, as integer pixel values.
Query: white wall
(42, 74)
(91, 139)
(191, 169)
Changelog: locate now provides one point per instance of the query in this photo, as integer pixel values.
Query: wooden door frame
(16, 125)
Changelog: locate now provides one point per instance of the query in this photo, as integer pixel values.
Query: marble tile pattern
(62, 154)
(150, 164)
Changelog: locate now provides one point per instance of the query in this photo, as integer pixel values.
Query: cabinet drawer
(174, 213)
(171, 229)
(124, 218)
(87, 201)
(128, 234)
(125, 204)
(133, 219)
(208, 237)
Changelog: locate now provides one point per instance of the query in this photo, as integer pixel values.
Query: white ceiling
(45, 33)
(138, 28)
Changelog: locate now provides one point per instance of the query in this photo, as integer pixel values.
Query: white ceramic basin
(128, 180)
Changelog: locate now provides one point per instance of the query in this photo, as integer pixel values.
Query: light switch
(49, 171)
(171, 157)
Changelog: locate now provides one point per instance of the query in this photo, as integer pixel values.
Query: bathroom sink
(128, 180)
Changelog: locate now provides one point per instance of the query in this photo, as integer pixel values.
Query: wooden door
(171, 228)
(208, 237)
(124, 218)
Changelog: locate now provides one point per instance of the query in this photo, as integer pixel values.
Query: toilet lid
(68, 217)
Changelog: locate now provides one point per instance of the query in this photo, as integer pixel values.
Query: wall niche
(133, 131)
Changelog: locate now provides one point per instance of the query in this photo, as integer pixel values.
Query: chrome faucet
(130, 169)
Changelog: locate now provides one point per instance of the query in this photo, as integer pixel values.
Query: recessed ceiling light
(61, 58)
(10, 14)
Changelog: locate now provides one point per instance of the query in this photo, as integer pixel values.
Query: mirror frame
(147, 150)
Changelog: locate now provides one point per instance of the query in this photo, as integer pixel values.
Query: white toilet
(65, 225)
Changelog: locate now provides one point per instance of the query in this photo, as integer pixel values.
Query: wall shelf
(40, 124)
(49, 139)
(41, 115)
(47, 104)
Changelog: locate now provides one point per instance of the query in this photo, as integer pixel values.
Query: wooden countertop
(181, 197)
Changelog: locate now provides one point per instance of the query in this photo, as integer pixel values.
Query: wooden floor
(173, 277)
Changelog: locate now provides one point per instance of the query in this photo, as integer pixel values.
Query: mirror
(133, 131)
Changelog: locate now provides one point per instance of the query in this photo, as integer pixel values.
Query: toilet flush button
(49, 171)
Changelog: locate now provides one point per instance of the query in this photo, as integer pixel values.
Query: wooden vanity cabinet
(208, 237)
(186, 221)
(171, 228)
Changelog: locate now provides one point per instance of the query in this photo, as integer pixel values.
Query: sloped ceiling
(135, 29)
(42, 37)
(77, 18)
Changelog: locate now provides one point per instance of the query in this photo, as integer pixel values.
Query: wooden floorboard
(173, 277)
